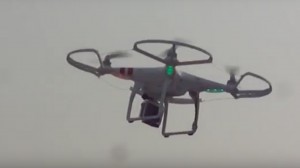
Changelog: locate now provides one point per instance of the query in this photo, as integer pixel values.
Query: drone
(159, 86)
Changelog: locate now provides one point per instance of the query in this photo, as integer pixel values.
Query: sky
(54, 115)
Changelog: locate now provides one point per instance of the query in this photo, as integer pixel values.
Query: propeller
(170, 54)
(114, 55)
(233, 71)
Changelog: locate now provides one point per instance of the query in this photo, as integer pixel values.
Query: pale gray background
(54, 114)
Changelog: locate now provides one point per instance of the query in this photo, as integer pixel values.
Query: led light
(215, 90)
(170, 70)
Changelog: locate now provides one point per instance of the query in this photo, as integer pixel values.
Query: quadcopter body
(159, 86)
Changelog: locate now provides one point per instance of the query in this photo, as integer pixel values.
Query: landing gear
(190, 134)
(155, 112)
(196, 99)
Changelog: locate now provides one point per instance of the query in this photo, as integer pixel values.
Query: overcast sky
(54, 114)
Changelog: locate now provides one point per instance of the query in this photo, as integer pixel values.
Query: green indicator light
(170, 70)
(215, 90)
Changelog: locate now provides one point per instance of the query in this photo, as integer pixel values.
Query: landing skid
(162, 112)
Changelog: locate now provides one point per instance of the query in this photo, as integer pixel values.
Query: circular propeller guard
(173, 62)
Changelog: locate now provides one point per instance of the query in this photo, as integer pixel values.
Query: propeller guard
(251, 93)
(82, 66)
(137, 49)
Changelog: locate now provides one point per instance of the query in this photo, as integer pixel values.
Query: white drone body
(163, 85)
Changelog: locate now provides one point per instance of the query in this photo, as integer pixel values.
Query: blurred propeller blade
(172, 50)
(117, 54)
(108, 57)
(232, 70)
(167, 52)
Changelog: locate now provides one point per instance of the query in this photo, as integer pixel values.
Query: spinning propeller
(170, 55)
(171, 52)
(233, 71)
(114, 55)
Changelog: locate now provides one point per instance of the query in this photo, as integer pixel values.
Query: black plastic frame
(82, 66)
(251, 93)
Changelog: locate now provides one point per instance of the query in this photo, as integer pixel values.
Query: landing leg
(134, 90)
(163, 97)
(195, 97)
(165, 120)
